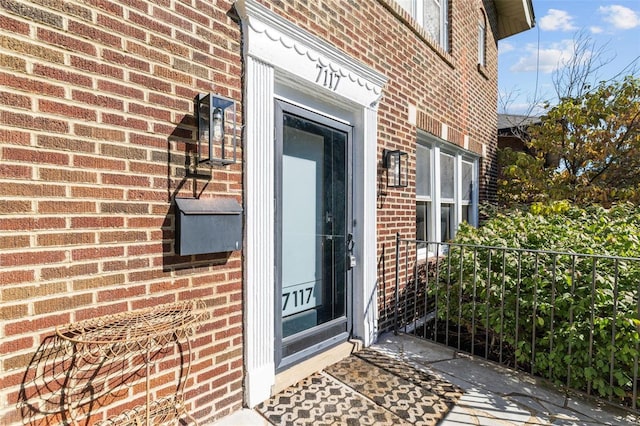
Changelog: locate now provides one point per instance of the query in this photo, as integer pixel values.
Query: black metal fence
(571, 318)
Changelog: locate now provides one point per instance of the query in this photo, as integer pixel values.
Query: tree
(586, 149)
(573, 77)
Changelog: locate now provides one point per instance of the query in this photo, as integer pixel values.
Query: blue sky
(613, 25)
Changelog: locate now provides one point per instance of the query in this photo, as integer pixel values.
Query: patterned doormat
(367, 388)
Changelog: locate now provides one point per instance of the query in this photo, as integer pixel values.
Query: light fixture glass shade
(397, 165)
(203, 106)
(217, 126)
(217, 132)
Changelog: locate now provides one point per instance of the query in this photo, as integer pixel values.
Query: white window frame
(474, 184)
(436, 200)
(415, 8)
(482, 39)
(427, 200)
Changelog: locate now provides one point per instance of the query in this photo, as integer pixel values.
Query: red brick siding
(96, 125)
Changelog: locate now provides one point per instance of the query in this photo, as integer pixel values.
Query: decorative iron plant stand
(105, 353)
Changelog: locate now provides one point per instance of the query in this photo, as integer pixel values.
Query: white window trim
(438, 146)
(444, 21)
(482, 40)
(416, 11)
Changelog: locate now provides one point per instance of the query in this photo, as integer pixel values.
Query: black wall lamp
(216, 116)
(397, 164)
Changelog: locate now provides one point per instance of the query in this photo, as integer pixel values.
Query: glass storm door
(312, 232)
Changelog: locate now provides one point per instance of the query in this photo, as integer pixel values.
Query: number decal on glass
(299, 298)
(328, 78)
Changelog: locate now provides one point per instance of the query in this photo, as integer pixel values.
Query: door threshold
(314, 364)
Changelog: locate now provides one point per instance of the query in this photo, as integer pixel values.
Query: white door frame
(284, 61)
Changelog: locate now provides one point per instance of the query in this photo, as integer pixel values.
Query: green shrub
(552, 313)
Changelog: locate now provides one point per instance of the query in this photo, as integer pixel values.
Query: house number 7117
(327, 78)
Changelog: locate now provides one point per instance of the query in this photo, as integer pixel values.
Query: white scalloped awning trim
(312, 55)
(271, 38)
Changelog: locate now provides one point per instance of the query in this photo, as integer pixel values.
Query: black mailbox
(208, 225)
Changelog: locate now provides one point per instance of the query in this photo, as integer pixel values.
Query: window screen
(482, 39)
(432, 15)
(423, 171)
(433, 18)
(447, 176)
(422, 220)
(467, 181)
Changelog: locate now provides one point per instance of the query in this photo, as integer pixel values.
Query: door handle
(351, 259)
(350, 242)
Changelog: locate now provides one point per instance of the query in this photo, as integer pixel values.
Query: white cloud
(596, 30)
(620, 17)
(557, 20)
(549, 59)
(504, 47)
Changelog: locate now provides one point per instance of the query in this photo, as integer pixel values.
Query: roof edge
(514, 16)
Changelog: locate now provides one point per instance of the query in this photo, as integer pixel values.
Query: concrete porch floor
(493, 395)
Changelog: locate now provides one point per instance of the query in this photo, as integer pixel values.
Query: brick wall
(96, 135)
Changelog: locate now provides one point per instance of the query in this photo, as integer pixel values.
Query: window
(423, 193)
(447, 177)
(422, 220)
(447, 196)
(482, 39)
(432, 15)
(466, 198)
(446, 190)
(447, 221)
